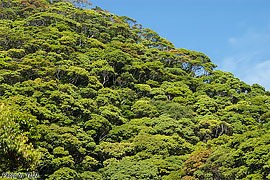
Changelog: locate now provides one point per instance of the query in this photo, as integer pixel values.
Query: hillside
(86, 94)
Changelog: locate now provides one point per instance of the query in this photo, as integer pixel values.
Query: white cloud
(252, 39)
(249, 56)
(259, 74)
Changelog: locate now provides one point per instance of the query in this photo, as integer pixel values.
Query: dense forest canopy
(86, 94)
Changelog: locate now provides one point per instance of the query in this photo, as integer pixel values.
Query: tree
(78, 3)
(17, 153)
(91, 95)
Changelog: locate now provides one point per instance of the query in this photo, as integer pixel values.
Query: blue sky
(235, 34)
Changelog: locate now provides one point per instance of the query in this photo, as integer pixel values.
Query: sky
(235, 34)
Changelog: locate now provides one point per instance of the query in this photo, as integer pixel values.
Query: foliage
(86, 94)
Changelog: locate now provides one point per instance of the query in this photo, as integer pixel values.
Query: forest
(86, 94)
